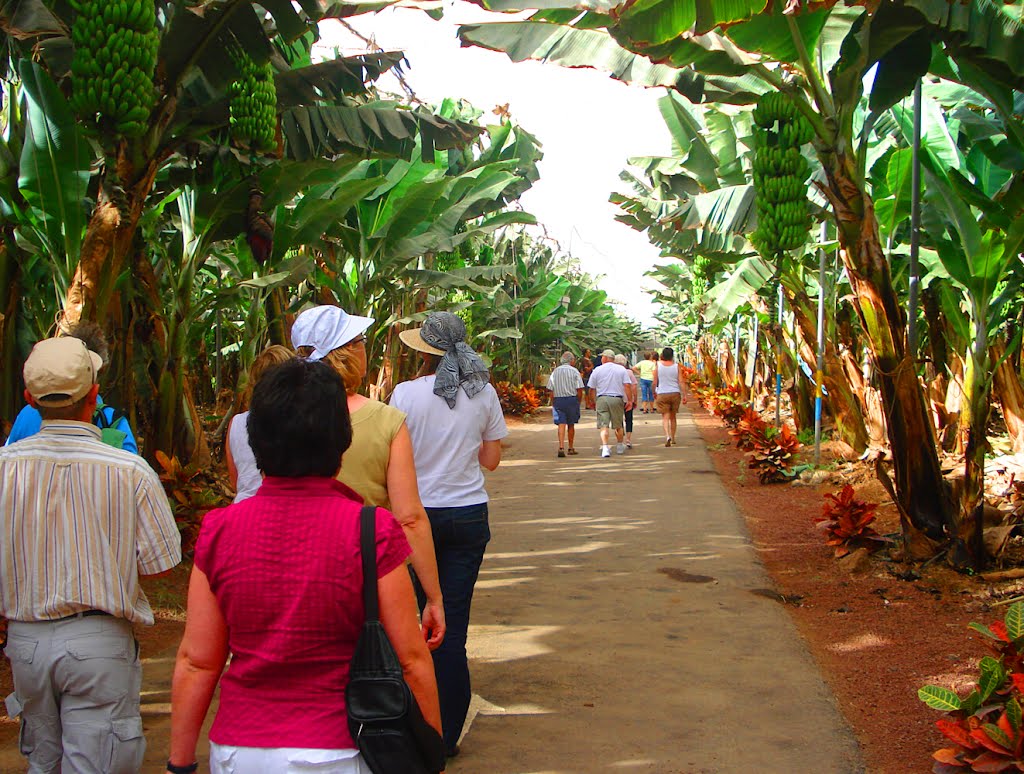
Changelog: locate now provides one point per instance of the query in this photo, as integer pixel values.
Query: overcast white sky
(588, 124)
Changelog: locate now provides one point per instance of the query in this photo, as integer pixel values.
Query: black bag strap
(368, 548)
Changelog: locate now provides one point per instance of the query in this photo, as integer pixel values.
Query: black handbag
(383, 716)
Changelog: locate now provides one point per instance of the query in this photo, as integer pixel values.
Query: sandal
(572, 451)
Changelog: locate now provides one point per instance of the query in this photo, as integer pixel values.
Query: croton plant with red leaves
(846, 522)
(985, 726)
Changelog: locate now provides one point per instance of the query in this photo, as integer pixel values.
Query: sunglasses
(358, 340)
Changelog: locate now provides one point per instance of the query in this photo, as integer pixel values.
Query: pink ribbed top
(285, 568)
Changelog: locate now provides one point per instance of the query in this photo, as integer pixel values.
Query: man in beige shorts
(611, 386)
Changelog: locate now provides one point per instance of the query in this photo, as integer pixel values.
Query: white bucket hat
(325, 328)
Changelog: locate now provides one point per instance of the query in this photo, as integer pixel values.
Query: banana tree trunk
(275, 305)
(108, 240)
(1009, 393)
(974, 416)
(938, 347)
(919, 483)
(842, 401)
(711, 374)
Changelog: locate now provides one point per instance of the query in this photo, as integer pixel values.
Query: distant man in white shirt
(612, 388)
(566, 387)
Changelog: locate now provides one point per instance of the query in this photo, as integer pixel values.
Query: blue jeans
(460, 538)
(647, 390)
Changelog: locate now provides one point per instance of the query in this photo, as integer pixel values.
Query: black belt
(83, 614)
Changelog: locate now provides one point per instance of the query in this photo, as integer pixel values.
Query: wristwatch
(190, 769)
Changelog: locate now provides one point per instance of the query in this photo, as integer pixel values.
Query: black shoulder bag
(383, 716)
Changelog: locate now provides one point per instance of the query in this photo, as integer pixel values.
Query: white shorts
(225, 759)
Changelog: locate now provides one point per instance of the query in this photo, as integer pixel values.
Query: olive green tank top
(364, 467)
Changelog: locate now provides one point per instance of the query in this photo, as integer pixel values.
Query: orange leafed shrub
(518, 400)
(846, 521)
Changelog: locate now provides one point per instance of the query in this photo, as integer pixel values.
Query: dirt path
(621, 623)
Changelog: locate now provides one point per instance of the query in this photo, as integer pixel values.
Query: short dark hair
(668, 353)
(93, 336)
(298, 420)
(74, 411)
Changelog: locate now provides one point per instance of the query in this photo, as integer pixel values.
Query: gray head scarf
(460, 365)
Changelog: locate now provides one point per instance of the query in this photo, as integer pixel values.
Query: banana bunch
(780, 175)
(116, 44)
(253, 104)
(699, 272)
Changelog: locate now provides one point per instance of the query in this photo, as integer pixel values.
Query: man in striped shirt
(80, 522)
(566, 387)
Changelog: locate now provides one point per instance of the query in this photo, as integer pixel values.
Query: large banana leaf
(55, 164)
(750, 276)
(571, 47)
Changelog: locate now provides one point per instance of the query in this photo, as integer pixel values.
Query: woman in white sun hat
(378, 465)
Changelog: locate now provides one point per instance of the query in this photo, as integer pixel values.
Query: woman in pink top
(277, 583)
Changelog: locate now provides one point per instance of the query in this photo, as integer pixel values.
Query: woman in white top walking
(243, 472)
(455, 420)
(668, 379)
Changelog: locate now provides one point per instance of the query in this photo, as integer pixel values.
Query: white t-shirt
(446, 442)
(610, 379)
(249, 476)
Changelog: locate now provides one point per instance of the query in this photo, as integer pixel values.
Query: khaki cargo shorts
(611, 412)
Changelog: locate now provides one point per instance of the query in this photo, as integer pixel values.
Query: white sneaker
(606, 451)
(620, 448)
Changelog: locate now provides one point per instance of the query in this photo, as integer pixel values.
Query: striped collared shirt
(80, 521)
(564, 381)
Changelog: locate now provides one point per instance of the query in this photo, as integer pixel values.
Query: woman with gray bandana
(456, 423)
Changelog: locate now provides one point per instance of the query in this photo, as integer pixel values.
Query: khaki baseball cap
(60, 371)
(608, 353)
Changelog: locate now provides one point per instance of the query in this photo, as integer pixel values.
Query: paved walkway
(615, 628)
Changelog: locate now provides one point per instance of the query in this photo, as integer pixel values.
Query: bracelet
(190, 769)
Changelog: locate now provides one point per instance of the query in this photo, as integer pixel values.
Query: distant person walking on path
(566, 387)
(82, 522)
(645, 371)
(114, 428)
(277, 583)
(612, 390)
(243, 472)
(379, 465)
(628, 413)
(586, 368)
(456, 425)
(668, 381)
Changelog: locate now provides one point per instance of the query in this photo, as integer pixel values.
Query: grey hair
(620, 359)
(568, 357)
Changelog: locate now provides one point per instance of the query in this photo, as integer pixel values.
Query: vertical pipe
(736, 349)
(778, 362)
(915, 227)
(757, 329)
(820, 370)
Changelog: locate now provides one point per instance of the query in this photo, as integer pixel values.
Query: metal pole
(915, 226)
(736, 348)
(820, 371)
(778, 364)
